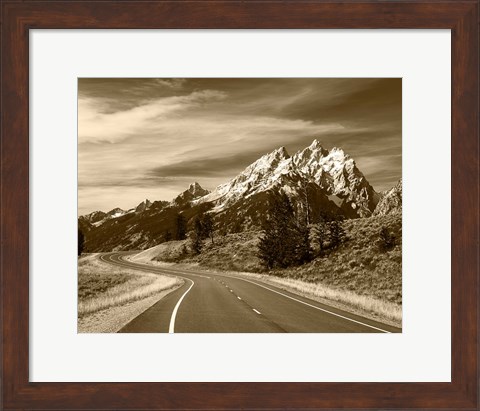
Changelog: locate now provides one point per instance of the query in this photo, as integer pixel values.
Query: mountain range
(317, 181)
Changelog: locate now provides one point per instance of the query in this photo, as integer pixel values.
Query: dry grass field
(359, 265)
(102, 286)
(357, 274)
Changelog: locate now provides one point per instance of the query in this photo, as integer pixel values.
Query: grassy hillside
(101, 286)
(357, 265)
(137, 231)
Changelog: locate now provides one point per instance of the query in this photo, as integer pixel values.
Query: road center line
(313, 306)
(171, 329)
(126, 263)
(178, 273)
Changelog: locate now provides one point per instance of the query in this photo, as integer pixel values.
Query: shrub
(386, 240)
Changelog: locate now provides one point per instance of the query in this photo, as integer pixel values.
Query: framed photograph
(270, 238)
(240, 205)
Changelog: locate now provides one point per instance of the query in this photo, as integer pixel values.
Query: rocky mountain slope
(333, 173)
(193, 192)
(144, 226)
(318, 181)
(336, 173)
(391, 201)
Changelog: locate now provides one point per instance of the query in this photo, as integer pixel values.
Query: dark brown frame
(461, 16)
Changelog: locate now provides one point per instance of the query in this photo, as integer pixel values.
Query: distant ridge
(318, 182)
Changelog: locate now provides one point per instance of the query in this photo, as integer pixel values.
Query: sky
(150, 138)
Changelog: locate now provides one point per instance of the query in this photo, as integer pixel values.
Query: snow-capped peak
(280, 153)
(316, 145)
(268, 161)
(197, 190)
(333, 171)
(258, 176)
(391, 202)
(313, 153)
(193, 192)
(116, 212)
(144, 205)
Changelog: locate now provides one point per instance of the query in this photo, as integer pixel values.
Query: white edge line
(313, 306)
(171, 328)
(292, 298)
(165, 270)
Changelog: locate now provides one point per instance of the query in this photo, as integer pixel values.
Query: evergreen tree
(305, 195)
(268, 243)
(300, 237)
(81, 242)
(303, 251)
(196, 243)
(167, 236)
(278, 245)
(181, 227)
(336, 233)
(321, 237)
(386, 240)
(207, 226)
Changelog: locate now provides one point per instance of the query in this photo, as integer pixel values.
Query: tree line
(202, 228)
(288, 238)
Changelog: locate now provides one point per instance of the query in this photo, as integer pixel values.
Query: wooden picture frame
(18, 17)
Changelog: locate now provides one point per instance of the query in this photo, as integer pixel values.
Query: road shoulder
(279, 284)
(110, 296)
(111, 320)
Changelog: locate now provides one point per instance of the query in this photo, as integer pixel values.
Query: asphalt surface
(220, 303)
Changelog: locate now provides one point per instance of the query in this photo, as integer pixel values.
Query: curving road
(220, 303)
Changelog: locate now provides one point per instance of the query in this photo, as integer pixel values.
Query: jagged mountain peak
(269, 160)
(315, 160)
(258, 176)
(391, 202)
(193, 192)
(316, 147)
(316, 179)
(313, 152)
(144, 205)
(93, 217)
(115, 212)
(333, 171)
(315, 144)
(197, 190)
(280, 152)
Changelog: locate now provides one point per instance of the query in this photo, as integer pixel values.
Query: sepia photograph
(239, 205)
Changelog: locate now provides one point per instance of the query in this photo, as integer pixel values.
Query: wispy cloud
(96, 123)
(152, 137)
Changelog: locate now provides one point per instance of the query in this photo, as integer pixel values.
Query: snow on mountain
(93, 217)
(144, 205)
(258, 176)
(97, 218)
(116, 212)
(321, 183)
(193, 192)
(333, 171)
(391, 202)
(336, 172)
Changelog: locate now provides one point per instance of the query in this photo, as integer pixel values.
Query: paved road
(220, 303)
